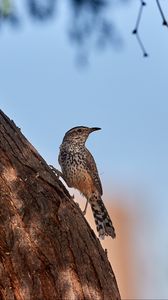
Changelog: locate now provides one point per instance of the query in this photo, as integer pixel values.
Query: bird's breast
(75, 173)
(82, 181)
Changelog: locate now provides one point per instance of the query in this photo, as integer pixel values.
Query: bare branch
(136, 30)
(162, 14)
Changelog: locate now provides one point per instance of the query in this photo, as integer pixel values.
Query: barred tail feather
(103, 222)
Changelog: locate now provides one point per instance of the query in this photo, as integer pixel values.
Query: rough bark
(47, 249)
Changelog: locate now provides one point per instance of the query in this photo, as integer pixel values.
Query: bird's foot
(84, 211)
(59, 174)
(55, 171)
(72, 197)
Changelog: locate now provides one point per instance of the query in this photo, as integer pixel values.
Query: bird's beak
(94, 129)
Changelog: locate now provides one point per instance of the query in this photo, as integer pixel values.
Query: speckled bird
(80, 172)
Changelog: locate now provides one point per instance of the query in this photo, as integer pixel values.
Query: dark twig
(145, 54)
(136, 29)
(162, 14)
(139, 15)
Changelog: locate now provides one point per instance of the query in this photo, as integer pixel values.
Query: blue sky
(45, 92)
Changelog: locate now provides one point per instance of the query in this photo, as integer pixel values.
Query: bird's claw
(84, 211)
(86, 205)
(55, 171)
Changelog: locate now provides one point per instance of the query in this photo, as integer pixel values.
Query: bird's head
(79, 134)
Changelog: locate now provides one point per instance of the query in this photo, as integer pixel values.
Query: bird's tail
(103, 222)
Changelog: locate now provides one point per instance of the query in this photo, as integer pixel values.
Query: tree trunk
(47, 249)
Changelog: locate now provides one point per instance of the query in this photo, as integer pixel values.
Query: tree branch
(47, 249)
(161, 13)
(136, 30)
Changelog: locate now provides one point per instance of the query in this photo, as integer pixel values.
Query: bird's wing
(92, 169)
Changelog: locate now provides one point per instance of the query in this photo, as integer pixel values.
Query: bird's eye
(79, 130)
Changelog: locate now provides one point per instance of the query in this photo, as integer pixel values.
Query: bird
(79, 171)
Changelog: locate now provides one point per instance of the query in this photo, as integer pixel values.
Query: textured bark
(47, 249)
